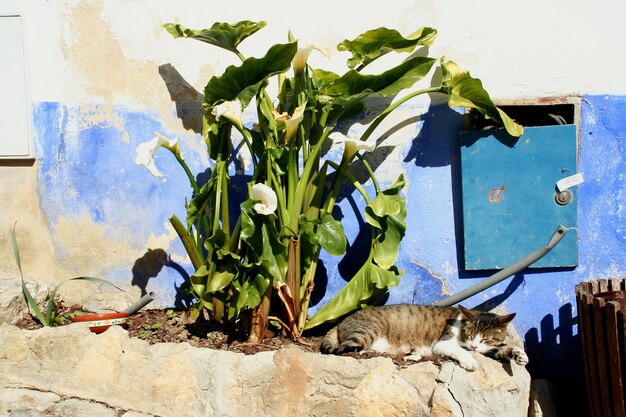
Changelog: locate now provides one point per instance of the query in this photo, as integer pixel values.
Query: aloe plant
(270, 252)
(50, 317)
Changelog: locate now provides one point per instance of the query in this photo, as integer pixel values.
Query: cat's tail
(330, 342)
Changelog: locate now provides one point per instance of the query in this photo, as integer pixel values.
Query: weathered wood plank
(586, 330)
(601, 357)
(583, 329)
(614, 284)
(603, 285)
(614, 355)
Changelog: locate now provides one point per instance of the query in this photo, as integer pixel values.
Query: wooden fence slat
(614, 352)
(590, 358)
(595, 287)
(623, 352)
(600, 342)
(583, 299)
(614, 284)
(602, 331)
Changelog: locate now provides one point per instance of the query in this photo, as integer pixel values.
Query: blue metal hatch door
(509, 195)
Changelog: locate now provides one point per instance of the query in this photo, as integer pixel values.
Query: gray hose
(141, 303)
(513, 269)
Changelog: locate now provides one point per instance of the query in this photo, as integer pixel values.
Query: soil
(177, 326)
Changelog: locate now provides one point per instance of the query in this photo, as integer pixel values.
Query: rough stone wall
(52, 370)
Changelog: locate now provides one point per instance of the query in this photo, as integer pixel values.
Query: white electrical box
(15, 135)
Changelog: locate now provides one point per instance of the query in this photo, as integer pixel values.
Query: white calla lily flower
(290, 123)
(231, 110)
(302, 55)
(352, 143)
(146, 151)
(266, 197)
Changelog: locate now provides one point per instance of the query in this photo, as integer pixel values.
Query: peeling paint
(34, 239)
(97, 60)
(444, 284)
(84, 246)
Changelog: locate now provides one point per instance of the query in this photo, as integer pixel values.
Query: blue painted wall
(92, 171)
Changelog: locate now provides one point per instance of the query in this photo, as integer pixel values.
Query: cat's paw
(519, 356)
(415, 357)
(469, 364)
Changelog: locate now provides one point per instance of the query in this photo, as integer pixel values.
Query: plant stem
(340, 170)
(260, 315)
(248, 140)
(225, 208)
(307, 290)
(306, 172)
(188, 243)
(394, 106)
(293, 271)
(369, 170)
(190, 176)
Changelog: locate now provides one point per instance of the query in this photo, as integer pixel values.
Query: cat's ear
(504, 319)
(467, 313)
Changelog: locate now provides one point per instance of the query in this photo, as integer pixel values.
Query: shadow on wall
(149, 266)
(557, 357)
(437, 144)
(187, 99)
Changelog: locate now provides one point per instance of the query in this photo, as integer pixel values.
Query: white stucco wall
(519, 49)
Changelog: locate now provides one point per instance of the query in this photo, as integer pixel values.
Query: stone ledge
(127, 376)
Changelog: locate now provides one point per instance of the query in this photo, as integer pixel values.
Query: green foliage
(50, 317)
(149, 330)
(244, 81)
(373, 44)
(62, 319)
(265, 261)
(221, 34)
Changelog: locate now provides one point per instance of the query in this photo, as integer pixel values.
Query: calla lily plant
(263, 263)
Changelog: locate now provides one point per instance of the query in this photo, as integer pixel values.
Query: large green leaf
(224, 35)
(388, 213)
(331, 236)
(29, 298)
(378, 273)
(256, 288)
(309, 243)
(377, 42)
(388, 241)
(384, 205)
(243, 82)
(354, 85)
(198, 280)
(260, 234)
(219, 280)
(465, 91)
(322, 78)
(248, 292)
(367, 286)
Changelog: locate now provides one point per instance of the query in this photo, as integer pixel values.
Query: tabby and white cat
(419, 331)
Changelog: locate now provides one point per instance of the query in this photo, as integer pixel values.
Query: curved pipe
(513, 269)
(141, 303)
